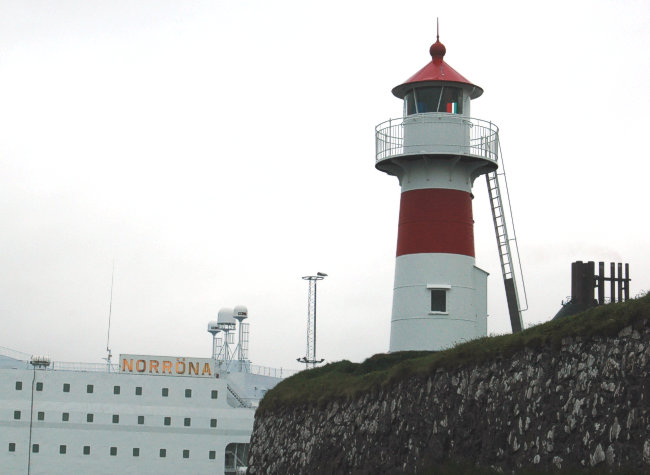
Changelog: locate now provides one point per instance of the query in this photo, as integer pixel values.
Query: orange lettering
(140, 367)
(153, 366)
(167, 367)
(206, 369)
(127, 364)
(196, 368)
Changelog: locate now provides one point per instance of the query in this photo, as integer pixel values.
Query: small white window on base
(438, 298)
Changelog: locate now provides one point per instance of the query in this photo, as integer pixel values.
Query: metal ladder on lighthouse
(504, 243)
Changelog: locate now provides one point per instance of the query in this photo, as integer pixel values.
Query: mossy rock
(344, 379)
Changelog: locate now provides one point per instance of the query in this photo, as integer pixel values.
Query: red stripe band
(435, 220)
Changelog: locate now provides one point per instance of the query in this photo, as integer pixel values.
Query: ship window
(213, 423)
(41, 416)
(16, 415)
(113, 451)
(19, 385)
(188, 393)
(215, 393)
(62, 449)
(65, 417)
(140, 420)
(116, 390)
(12, 446)
(186, 453)
(163, 453)
(136, 452)
(236, 457)
(66, 387)
(434, 99)
(165, 392)
(168, 421)
(35, 448)
(187, 422)
(89, 417)
(212, 454)
(86, 449)
(89, 388)
(116, 418)
(39, 386)
(138, 391)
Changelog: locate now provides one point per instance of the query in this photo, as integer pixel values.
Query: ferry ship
(145, 414)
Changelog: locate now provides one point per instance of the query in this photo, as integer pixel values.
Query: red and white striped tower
(436, 150)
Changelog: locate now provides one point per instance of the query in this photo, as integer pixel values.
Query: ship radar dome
(240, 311)
(213, 327)
(225, 316)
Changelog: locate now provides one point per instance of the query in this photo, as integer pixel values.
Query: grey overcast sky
(217, 151)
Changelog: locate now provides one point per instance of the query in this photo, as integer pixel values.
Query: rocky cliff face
(582, 404)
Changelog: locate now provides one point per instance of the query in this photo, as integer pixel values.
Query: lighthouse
(436, 150)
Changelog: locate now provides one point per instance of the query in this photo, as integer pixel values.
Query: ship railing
(59, 365)
(482, 139)
(115, 368)
(14, 354)
(88, 367)
(273, 372)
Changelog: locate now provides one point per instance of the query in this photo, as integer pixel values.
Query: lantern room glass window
(434, 99)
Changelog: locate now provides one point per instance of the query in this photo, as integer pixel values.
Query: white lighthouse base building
(455, 294)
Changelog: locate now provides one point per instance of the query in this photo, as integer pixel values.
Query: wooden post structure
(620, 282)
(601, 283)
(584, 280)
(612, 284)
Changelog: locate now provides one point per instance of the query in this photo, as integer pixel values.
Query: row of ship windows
(116, 389)
(63, 449)
(65, 417)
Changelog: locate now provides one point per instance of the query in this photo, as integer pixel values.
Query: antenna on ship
(240, 313)
(110, 312)
(225, 324)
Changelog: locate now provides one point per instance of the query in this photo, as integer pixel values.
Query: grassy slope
(344, 379)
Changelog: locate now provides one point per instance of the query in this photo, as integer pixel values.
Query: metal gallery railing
(482, 137)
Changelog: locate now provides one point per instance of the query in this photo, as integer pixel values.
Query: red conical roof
(435, 72)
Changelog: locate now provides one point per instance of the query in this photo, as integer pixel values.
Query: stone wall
(583, 404)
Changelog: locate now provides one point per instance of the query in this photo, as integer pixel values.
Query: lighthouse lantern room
(436, 150)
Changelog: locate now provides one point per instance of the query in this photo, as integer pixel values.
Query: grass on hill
(344, 379)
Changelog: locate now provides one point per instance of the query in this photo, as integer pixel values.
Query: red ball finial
(437, 51)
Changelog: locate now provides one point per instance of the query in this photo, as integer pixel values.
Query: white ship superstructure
(147, 414)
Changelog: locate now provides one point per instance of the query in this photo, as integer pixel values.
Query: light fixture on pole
(310, 356)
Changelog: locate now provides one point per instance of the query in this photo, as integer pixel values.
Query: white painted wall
(413, 325)
(436, 133)
(233, 424)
